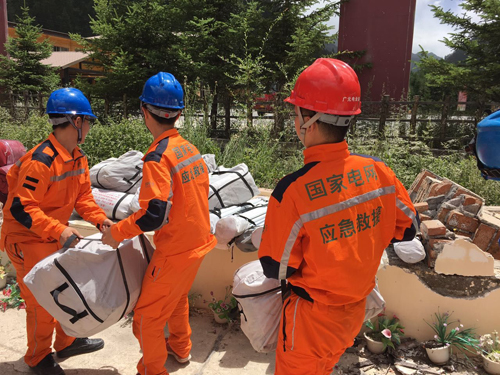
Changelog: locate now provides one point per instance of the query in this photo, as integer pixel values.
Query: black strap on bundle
(68, 310)
(240, 176)
(115, 208)
(129, 180)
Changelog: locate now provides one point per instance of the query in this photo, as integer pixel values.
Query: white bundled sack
(260, 301)
(91, 287)
(410, 251)
(209, 160)
(115, 204)
(261, 304)
(123, 174)
(134, 205)
(229, 186)
(375, 303)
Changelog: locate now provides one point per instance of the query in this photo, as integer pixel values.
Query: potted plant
(223, 308)
(439, 349)
(490, 351)
(385, 332)
(3, 275)
(12, 298)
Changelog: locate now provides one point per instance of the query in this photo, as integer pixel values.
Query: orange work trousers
(315, 335)
(40, 324)
(164, 299)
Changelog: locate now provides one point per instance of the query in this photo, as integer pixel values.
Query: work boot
(177, 358)
(47, 366)
(81, 346)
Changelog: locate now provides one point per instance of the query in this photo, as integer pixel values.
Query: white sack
(209, 160)
(229, 227)
(122, 174)
(230, 186)
(261, 304)
(134, 205)
(257, 236)
(244, 241)
(375, 303)
(115, 204)
(90, 287)
(410, 251)
(260, 301)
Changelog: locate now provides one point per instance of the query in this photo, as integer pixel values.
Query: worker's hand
(107, 238)
(106, 224)
(66, 234)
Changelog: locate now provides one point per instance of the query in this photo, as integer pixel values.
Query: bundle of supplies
(92, 286)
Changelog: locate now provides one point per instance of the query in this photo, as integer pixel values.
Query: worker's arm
(33, 183)
(280, 250)
(407, 220)
(155, 200)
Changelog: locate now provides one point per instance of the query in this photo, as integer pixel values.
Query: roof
(64, 59)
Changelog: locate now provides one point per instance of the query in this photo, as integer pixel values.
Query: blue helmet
(488, 145)
(163, 90)
(69, 101)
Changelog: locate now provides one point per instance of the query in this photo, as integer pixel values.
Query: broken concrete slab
(464, 258)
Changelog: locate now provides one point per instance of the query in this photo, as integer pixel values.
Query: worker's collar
(326, 151)
(166, 134)
(61, 150)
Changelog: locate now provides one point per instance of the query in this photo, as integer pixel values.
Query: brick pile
(449, 211)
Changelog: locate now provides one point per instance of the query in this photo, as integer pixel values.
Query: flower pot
(490, 366)
(219, 320)
(439, 355)
(376, 347)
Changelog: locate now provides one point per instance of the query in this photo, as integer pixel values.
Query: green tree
(477, 33)
(136, 39)
(23, 70)
(60, 15)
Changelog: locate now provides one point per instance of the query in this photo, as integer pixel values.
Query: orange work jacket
(173, 199)
(45, 185)
(328, 224)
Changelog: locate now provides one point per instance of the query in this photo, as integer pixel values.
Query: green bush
(116, 138)
(266, 158)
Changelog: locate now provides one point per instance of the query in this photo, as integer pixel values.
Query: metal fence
(441, 124)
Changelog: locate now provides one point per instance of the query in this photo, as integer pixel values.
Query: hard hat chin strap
(79, 130)
(304, 126)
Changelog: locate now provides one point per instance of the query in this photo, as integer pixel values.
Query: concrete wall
(412, 301)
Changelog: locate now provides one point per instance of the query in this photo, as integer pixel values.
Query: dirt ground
(218, 349)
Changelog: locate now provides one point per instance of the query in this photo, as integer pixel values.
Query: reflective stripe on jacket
(328, 224)
(45, 185)
(173, 198)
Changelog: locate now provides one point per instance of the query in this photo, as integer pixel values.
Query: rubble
(445, 205)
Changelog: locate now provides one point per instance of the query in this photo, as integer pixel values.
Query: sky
(428, 31)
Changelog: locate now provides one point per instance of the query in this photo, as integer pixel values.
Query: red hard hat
(328, 86)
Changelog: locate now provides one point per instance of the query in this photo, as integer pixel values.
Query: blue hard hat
(488, 141)
(163, 90)
(69, 101)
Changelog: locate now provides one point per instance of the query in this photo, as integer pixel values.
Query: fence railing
(431, 122)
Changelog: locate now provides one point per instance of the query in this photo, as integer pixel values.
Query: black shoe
(47, 366)
(81, 346)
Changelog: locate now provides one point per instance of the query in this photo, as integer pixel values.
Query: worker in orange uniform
(174, 204)
(45, 185)
(328, 224)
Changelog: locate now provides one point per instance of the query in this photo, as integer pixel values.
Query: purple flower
(444, 324)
